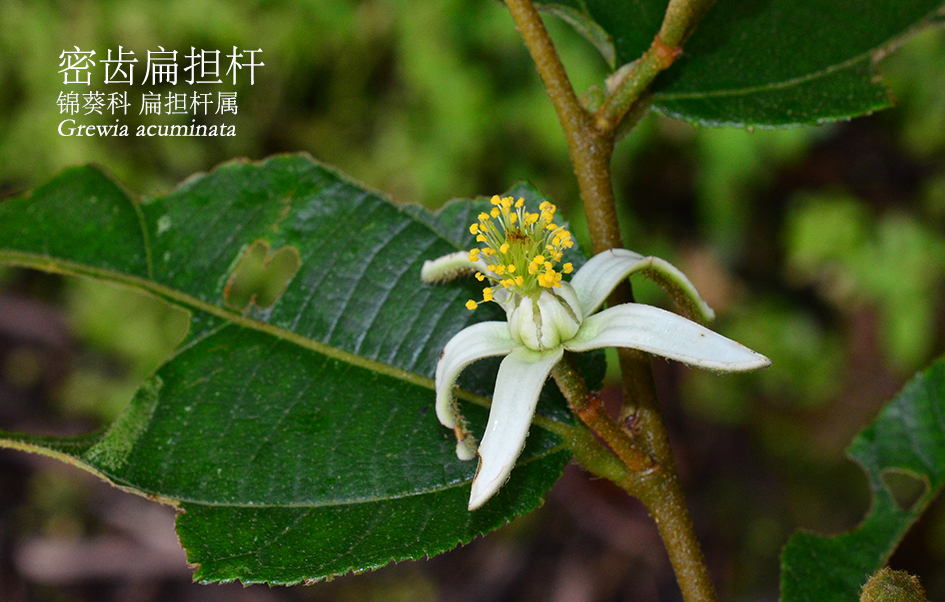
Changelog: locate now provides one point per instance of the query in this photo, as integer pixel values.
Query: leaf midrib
(770, 87)
(176, 297)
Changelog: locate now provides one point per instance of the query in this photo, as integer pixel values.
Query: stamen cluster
(521, 249)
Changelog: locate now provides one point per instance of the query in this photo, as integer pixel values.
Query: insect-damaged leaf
(903, 453)
(298, 434)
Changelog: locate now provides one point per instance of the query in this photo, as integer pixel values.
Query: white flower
(546, 317)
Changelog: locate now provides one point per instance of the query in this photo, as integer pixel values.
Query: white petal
(521, 377)
(660, 332)
(449, 267)
(485, 339)
(599, 276)
(595, 280)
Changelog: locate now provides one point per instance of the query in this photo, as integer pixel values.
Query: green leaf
(771, 63)
(297, 433)
(903, 453)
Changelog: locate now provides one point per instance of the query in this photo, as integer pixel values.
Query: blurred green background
(823, 248)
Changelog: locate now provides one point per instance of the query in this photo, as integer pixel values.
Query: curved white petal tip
(465, 449)
(663, 333)
(485, 339)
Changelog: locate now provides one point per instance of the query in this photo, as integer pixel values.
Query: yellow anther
(471, 304)
(538, 243)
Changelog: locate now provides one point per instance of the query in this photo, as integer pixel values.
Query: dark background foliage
(823, 248)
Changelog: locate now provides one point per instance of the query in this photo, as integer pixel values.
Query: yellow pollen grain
(474, 255)
(471, 304)
(495, 212)
(474, 229)
(504, 248)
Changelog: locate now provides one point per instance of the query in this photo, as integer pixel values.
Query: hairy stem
(644, 450)
(655, 484)
(590, 410)
(590, 148)
(631, 81)
(661, 493)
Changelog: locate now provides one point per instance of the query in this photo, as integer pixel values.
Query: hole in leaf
(261, 276)
(905, 486)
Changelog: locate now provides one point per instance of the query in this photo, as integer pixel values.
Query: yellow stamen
(520, 250)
